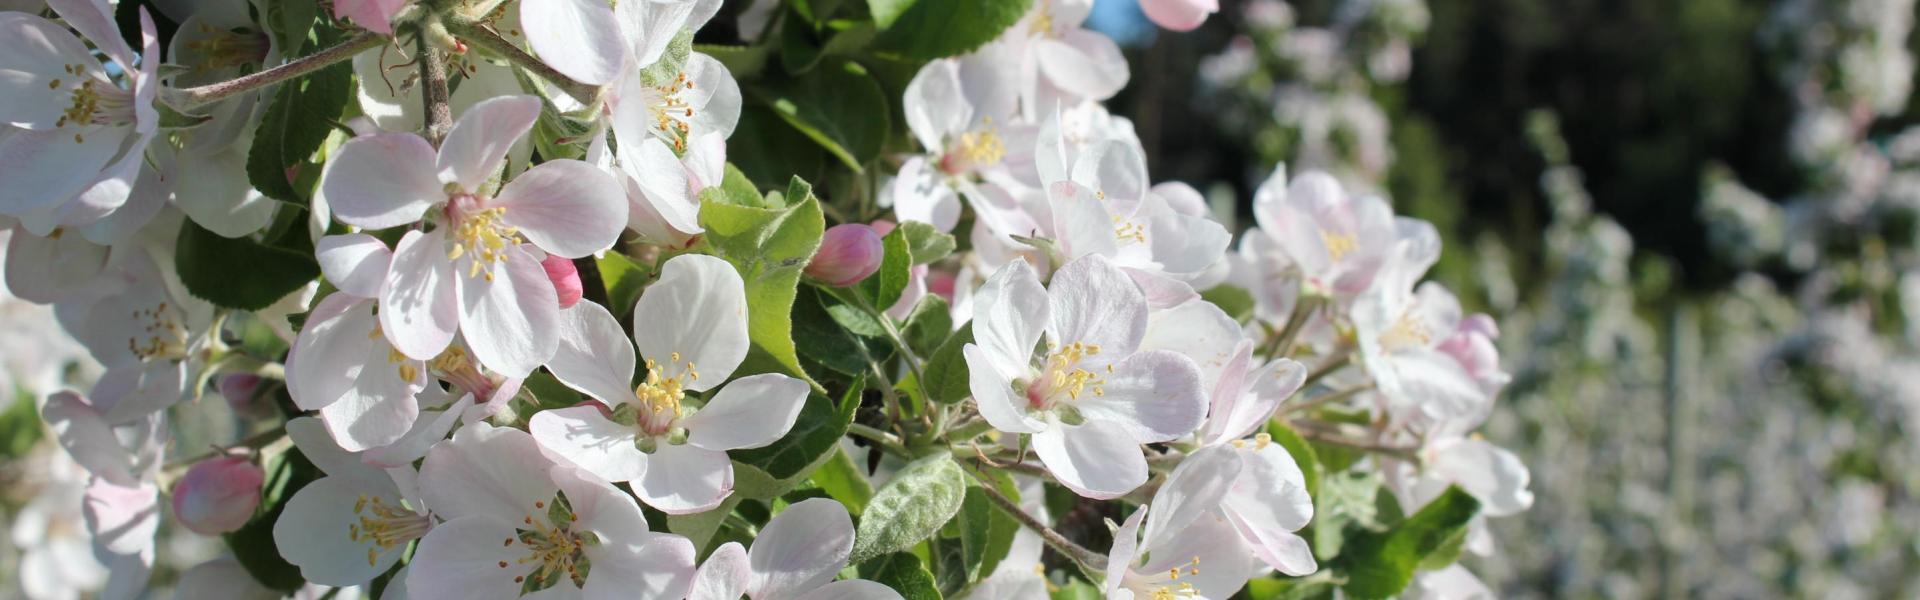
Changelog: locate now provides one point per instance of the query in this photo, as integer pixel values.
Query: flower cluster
(523, 323)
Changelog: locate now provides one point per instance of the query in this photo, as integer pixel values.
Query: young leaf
(930, 29)
(828, 343)
(624, 277)
(947, 369)
(930, 324)
(928, 244)
(835, 105)
(911, 507)
(295, 125)
(882, 289)
(769, 248)
(845, 481)
(903, 572)
(238, 272)
(1380, 565)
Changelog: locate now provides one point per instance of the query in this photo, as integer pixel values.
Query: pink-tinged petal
(566, 279)
(84, 433)
(382, 180)
(1179, 15)
(579, 38)
(356, 263)
(44, 270)
(565, 207)
(486, 471)
(1083, 63)
(660, 567)
(667, 190)
(330, 351)
(38, 50)
(1267, 504)
(428, 429)
(749, 412)
(594, 355)
(512, 318)
(1490, 473)
(936, 106)
(697, 312)
(1162, 292)
(476, 147)
(1097, 459)
(1009, 313)
(1155, 396)
(651, 25)
(133, 392)
(46, 168)
(419, 309)
(920, 193)
(122, 519)
(684, 479)
(373, 15)
(1094, 302)
(1195, 488)
(802, 548)
(852, 589)
(993, 393)
(217, 495)
(725, 576)
(1124, 553)
(1198, 330)
(379, 408)
(601, 508)
(585, 437)
(1244, 404)
(1224, 562)
(460, 560)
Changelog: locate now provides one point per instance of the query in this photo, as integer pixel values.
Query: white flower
(1401, 330)
(76, 137)
(796, 556)
(147, 335)
(472, 273)
(691, 328)
(1092, 399)
(222, 577)
(516, 521)
(962, 111)
(1336, 241)
(121, 505)
(1059, 61)
(1185, 549)
(355, 523)
(56, 556)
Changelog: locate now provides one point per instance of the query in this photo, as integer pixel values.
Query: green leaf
(735, 189)
(845, 481)
(903, 572)
(947, 369)
(882, 289)
(672, 62)
(1236, 301)
(744, 62)
(769, 248)
(1379, 565)
(238, 272)
(930, 324)
(700, 527)
(1077, 589)
(1273, 588)
(771, 470)
(19, 425)
(799, 46)
(930, 29)
(548, 392)
(985, 532)
(778, 151)
(928, 244)
(835, 105)
(289, 23)
(295, 125)
(885, 12)
(624, 278)
(252, 543)
(911, 507)
(828, 344)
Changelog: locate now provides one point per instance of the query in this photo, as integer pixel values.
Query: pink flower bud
(883, 227)
(238, 389)
(218, 495)
(566, 279)
(848, 254)
(1179, 15)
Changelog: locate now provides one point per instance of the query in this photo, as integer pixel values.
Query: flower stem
(194, 97)
(1303, 309)
(886, 441)
(433, 76)
(1325, 399)
(486, 39)
(1332, 363)
(1088, 559)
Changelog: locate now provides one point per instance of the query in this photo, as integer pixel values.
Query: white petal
(213, 190)
(920, 193)
(460, 560)
(565, 207)
(1095, 303)
(428, 429)
(419, 309)
(84, 433)
(935, 106)
(328, 354)
(1198, 330)
(1098, 459)
(594, 356)
(315, 532)
(579, 38)
(1195, 488)
(122, 519)
(221, 578)
(1223, 560)
(581, 435)
(311, 437)
(682, 479)
(49, 269)
(601, 508)
(1009, 313)
(725, 575)
(1124, 553)
(1492, 474)
(993, 393)
(46, 168)
(476, 147)
(382, 180)
(356, 263)
(802, 548)
(651, 25)
(715, 97)
(37, 51)
(1084, 63)
(511, 319)
(697, 311)
(486, 471)
(749, 412)
(1154, 396)
(660, 567)
(666, 192)
(852, 589)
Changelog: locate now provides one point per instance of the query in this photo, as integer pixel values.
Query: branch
(194, 97)
(433, 73)
(486, 39)
(1088, 559)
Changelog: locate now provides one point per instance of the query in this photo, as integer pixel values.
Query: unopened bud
(239, 389)
(566, 279)
(848, 254)
(218, 495)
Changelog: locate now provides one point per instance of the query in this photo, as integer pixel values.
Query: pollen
(1338, 244)
(482, 237)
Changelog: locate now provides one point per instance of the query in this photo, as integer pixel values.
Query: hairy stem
(433, 77)
(486, 39)
(194, 97)
(1088, 559)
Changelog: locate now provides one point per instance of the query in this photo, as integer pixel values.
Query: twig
(1088, 559)
(1325, 399)
(194, 97)
(486, 39)
(886, 441)
(1339, 358)
(1296, 322)
(1319, 432)
(433, 77)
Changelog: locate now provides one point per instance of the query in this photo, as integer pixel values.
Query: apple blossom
(218, 495)
(691, 329)
(1179, 15)
(1183, 549)
(354, 523)
(565, 278)
(796, 556)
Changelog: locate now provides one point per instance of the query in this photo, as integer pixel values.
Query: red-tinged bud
(218, 495)
(566, 279)
(848, 254)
